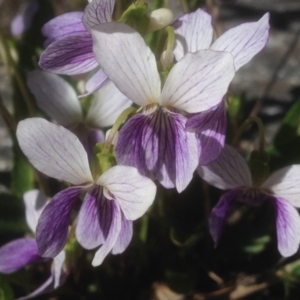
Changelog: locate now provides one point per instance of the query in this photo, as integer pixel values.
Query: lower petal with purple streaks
(287, 226)
(210, 129)
(219, 214)
(159, 147)
(17, 254)
(52, 228)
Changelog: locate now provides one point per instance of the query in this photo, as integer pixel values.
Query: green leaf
(6, 292)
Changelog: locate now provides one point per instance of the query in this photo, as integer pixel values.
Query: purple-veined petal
(127, 61)
(244, 41)
(133, 192)
(285, 184)
(193, 32)
(88, 230)
(219, 214)
(108, 104)
(52, 228)
(287, 226)
(95, 82)
(55, 97)
(124, 237)
(198, 81)
(62, 26)
(54, 150)
(159, 147)
(35, 202)
(47, 286)
(17, 254)
(98, 12)
(112, 237)
(70, 55)
(210, 128)
(228, 171)
(57, 268)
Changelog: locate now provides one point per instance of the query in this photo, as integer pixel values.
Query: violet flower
(57, 99)
(21, 252)
(230, 172)
(195, 32)
(112, 201)
(69, 43)
(155, 141)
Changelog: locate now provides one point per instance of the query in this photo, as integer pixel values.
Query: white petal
(127, 61)
(35, 202)
(55, 97)
(198, 81)
(132, 191)
(285, 183)
(58, 263)
(193, 32)
(228, 171)
(244, 41)
(97, 12)
(54, 150)
(108, 104)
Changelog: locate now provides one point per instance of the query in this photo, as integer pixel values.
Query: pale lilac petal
(132, 191)
(288, 227)
(159, 147)
(57, 268)
(284, 183)
(193, 32)
(62, 26)
(55, 96)
(17, 254)
(127, 61)
(228, 171)
(95, 82)
(52, 228)
(35, 202)
(244, 41)
(210, 128)
(124, 237)
(107, 106)
(219, 214)
(98, 12)
(88, 230)
(54, 150)
(112, 237)
(198, 81)
(70, 55)
(47, 286)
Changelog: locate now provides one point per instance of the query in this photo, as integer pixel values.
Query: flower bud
(160, 18)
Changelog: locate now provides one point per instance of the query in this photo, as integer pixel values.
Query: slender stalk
(185, 6)
(12, 68)
(9, 120)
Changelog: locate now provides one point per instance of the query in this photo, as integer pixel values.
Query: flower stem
(9, 120)
(185, 6)
(261, 130)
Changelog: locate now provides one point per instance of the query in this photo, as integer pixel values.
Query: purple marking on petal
(52, 228)
(124, 237)
(159, 147)
(113, 234)
(70, 55)
(88, 230)
(288, 227)
(219, 214)
(17, 254)
(98, 12)
(63, 26)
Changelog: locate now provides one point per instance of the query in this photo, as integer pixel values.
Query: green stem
(185, 6)
(9, 120)
(11, 66)
(144, 228)
(123, 116)
(261, 131)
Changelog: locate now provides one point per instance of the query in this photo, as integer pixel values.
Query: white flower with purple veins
(112, 201)
(57, 99)
(230, 172)
(155, 140)
(69, 45)
(21, 252)
(194, 32)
